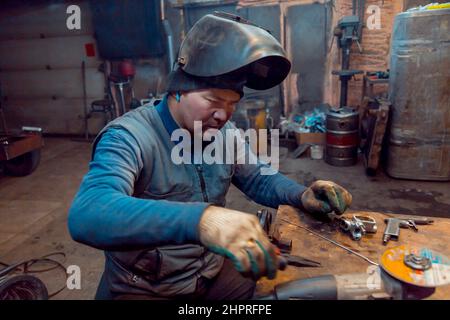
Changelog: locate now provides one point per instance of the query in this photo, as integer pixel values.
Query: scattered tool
(298, 261)
(404, 273)
(330, 240)
(265, 219)
(283, 243)
(393, 225)
(357, 226)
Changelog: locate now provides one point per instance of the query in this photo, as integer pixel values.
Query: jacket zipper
(199, 170)
(134, 278)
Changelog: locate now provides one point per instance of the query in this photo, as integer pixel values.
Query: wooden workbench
(336, 260)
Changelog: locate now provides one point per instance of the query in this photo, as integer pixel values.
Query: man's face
(213, 107)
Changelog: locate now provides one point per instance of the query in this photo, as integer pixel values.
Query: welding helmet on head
(225, 51)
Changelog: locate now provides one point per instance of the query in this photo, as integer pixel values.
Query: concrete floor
(33, 209)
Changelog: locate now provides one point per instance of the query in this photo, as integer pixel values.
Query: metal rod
(85, 105)
(332, 241)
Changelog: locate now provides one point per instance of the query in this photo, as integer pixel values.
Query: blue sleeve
(268, 190)
(104, 214)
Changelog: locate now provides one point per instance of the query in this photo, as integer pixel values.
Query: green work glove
(323, 197)
(239, 237)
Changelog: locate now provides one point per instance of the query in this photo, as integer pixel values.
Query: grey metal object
(298, 261)
(340, 156)
(393, 225)
(392, 231)
(170, 50)
(342, 137)
(346, 31)
(417, 262)
(342, 119)
(121, 85)
(358, 226)
(369, 223)
(355, 228)
(374, 285)
(85, 104)
(420, 96)
(205, 52)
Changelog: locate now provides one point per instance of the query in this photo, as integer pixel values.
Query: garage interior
(60, 85)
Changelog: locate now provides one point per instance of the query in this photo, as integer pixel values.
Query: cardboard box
(312, 138)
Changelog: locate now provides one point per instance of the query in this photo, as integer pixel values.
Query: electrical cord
(27, 264)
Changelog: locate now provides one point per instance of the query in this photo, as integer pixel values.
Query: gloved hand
(239, 237)
(325, 196)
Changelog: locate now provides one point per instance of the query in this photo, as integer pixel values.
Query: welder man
(163, 226)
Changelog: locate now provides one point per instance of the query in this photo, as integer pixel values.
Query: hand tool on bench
(330, 240)
(298, 261)
(405, 272)
(357, 226)
(393, 225)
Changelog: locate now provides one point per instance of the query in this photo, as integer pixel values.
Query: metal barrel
(342, 137)
(419, 85)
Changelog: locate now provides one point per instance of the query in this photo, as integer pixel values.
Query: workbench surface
(336, 260)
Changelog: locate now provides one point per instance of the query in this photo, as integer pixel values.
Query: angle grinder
(405, 273)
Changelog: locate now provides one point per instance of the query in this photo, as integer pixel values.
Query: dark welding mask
(225, 51)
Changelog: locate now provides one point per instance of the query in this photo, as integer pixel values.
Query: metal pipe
(169, 34)
(83, 75)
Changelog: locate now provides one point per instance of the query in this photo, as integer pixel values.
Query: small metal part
(417, 262)
(392, 231)
(370, 225)
(356, 232)
(417, 220)
(354, 228)
(412, 225)
(344, 224)
(358, 226)
(330, 240)
(265, 219)
(298, 261)
(284, 244)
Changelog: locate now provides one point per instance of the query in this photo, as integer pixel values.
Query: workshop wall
(40, 62)
(40, 59)
(302, 26)
(375, 47)
(301, 84)
(40, 68)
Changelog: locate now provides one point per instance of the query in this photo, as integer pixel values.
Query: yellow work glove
(323, 197)
(239, 237)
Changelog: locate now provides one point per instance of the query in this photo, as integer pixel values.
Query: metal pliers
(298, 261)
